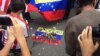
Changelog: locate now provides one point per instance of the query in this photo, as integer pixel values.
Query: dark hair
(27, 1)
(82, 3)
(17, 5)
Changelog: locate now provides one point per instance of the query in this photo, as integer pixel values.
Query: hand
(86, 42)
(18, 33)
(17, 29)
(11, 37)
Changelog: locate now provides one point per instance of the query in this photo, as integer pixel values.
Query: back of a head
(17, 5)
(83, 3)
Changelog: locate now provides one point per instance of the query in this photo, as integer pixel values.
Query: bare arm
(18, 33)
(24, 47)
(6, 49)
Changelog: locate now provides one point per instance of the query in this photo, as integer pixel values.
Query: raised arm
(18, 33)
(7, 46)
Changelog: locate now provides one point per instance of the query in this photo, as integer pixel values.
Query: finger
(96, 46)
(10, 34)
(8, 29)
(80, 41)
(13, 21)
(86, 32)
(90, 33)
(16, 22)
(12, 29)
(83, 35)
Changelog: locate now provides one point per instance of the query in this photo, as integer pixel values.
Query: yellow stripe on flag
(45, 1)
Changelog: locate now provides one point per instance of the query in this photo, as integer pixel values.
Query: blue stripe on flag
(56, 37)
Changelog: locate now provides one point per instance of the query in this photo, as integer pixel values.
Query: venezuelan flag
(31, 7)
(51, 10)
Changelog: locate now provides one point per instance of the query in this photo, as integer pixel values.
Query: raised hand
(86, 42)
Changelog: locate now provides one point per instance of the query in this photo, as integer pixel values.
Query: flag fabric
(48, 35)
(31, 7)
(4, 5)
(51, 10)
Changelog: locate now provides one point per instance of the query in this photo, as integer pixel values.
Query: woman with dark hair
(17, 7)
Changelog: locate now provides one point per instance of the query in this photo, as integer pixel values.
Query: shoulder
(84, 17)
(76, 21)
(73, 20)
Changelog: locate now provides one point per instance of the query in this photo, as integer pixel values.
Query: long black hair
(17, 5)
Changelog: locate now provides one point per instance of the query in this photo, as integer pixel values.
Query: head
(17, 6)
(86, 4)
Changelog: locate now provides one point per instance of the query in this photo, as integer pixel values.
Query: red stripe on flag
(51, 16)
(31, 8)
